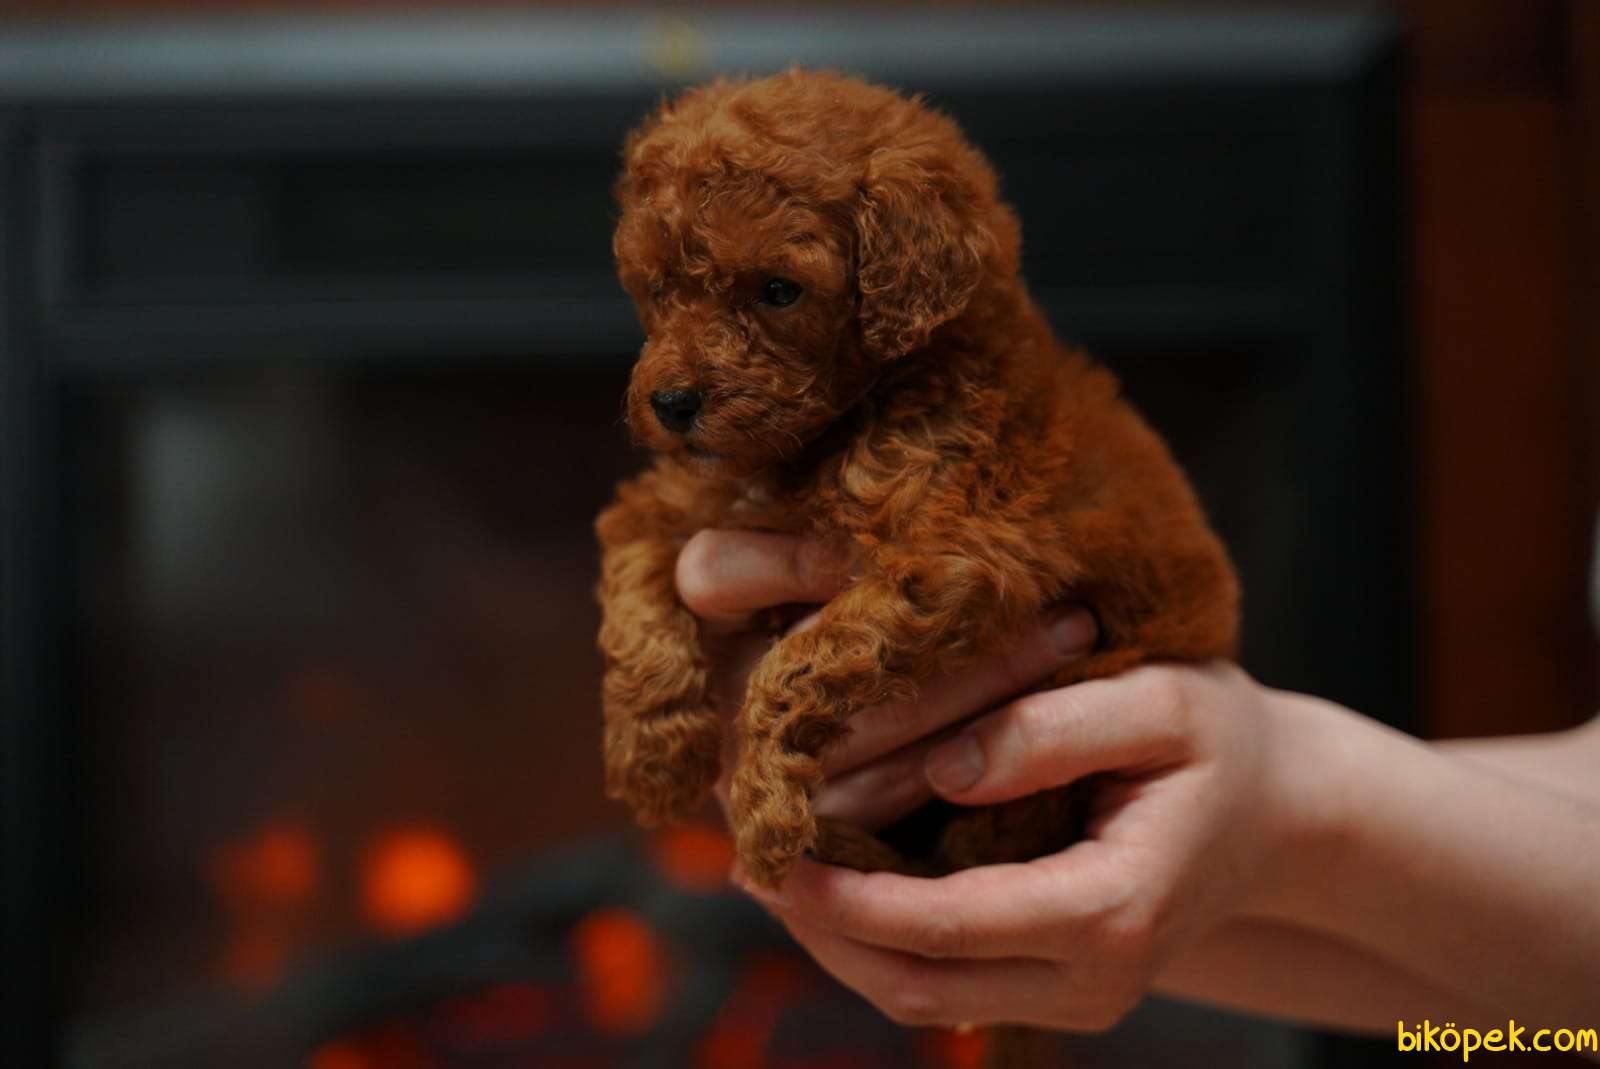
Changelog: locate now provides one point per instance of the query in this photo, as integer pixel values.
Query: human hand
(731, 579)
(1238, 833)
(1186, 818)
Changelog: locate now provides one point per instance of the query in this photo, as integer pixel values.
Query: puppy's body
(911, 406)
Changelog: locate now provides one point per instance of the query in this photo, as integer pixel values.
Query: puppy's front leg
(867, 647)
(662, 740)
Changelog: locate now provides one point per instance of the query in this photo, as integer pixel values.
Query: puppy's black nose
(676, 409)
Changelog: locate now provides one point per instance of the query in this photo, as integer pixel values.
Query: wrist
(1315, 779)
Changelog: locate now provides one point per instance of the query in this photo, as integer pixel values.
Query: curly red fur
(912, 407)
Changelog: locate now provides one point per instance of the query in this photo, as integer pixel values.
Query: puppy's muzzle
(676, 409)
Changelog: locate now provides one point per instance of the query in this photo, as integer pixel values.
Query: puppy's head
(784, 240)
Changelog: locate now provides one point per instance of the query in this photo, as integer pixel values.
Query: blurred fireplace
(312, 371)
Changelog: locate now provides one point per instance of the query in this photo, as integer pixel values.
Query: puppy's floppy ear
(923, 240)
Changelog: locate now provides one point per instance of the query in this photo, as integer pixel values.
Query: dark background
(1501, 112)
(317, 585)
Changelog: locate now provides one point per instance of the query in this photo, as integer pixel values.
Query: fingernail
(1073, 632)
(954, 766)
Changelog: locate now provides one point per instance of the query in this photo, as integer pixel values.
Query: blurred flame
(266, 881)
(340, 1055)
(958, 1048)
(413, 878)
(739, 1035)
(622, 969)
(695, 857)
(389, 1047)
(277, 868)
(508, 1013)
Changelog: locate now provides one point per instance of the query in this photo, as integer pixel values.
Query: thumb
(1049, 739)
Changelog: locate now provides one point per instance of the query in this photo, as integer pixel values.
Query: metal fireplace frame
(76, 97)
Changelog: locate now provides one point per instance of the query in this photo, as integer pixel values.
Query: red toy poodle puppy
(839, 344)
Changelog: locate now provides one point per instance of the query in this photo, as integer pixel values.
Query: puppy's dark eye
(780, 292)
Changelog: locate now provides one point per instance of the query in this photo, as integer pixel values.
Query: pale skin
(1250, 848)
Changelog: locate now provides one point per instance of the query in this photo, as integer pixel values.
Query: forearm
(1464, 877)
(1566, 761)
(1271, 969)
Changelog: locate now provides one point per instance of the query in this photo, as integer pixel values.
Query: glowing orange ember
(622, 971)
(276, 868)
(508, 1013)
(733, 1044)
(267, 881)
(339, 1055)
(957, 1049)
(739, 1036)
(694, 856)
(414, 878)
(389, 1046)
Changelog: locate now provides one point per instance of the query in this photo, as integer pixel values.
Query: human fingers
(726, 577)
(880, 792)
(919, 992)
(1136, 722)
(993, 911)
(1069, 633)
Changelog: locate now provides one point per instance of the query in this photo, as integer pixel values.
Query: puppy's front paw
(663, 765)
(772, 820)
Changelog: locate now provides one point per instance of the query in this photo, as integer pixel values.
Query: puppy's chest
(762, 506)
(766, 506)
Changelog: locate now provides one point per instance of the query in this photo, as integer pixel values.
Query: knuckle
(1179, 694)
(1034, 718)
(1128, 939)
(913, 1005)
(1124, 925)
(944, 937)
(1166, 692)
